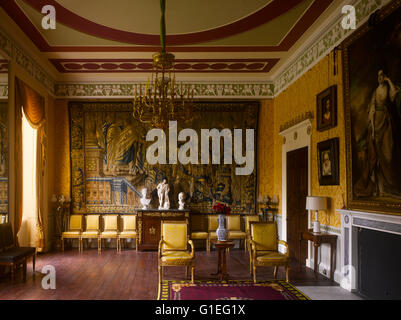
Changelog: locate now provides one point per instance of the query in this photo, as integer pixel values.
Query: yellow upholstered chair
(74, 230)
(234, 228)
(173, 247)
(92, 230)
(110, 231)
(248, 220)
(264, 243)
(212, 226)
(128, 229)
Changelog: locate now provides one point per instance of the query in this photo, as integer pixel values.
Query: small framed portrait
(327, 109)
(328, 162)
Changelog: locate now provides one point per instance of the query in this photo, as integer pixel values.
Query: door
(297, 191)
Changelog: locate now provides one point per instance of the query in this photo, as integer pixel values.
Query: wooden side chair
(110, 222)
(248, 220)
(173, 248)
(212, 226)
(74, 230)
(234, 228)
(128, 229)
(264, 243)
(92, 230)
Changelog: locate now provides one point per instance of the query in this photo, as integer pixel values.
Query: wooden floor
(128, 275)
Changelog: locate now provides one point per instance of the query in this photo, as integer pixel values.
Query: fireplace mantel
(350, 222)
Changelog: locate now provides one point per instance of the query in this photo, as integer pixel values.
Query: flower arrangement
(222, 208)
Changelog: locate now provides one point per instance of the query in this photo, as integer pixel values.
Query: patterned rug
(231, 290)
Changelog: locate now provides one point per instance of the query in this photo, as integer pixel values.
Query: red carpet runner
(233, 290)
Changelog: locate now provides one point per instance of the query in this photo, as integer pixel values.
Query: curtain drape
(33, 105)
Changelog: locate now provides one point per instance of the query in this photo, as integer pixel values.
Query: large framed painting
(372, 93)
(110, 167)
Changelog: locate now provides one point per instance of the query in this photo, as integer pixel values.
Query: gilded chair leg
(287, 278)
(275, 272)
(192, 274)
(62, 244)
(99, 245)
(136, 244)
(186, 271)
(207, 245)
(254, 273)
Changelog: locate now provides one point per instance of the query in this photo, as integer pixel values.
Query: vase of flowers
(222, 210)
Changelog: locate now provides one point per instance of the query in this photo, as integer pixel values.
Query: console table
(318, 239)
(149, 225)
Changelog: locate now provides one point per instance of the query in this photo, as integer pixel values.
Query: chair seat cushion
(90, 234)
(109, 234)
(71, 234)
(176, 257)
(199, 235)
(236, 235)
(272, 257)
(128, 234)
(16, 254)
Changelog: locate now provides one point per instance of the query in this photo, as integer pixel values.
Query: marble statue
(181, 201)
(162, 191)
(145, 201)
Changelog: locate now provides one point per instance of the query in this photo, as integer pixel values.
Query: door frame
(297, 137)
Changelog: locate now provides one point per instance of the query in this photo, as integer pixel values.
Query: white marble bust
(145, 201)
(181, 201)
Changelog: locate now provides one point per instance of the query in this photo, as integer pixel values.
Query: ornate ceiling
(246, 39)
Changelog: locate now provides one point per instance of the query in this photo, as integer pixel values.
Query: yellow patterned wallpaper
(265, 147)
(299, 98)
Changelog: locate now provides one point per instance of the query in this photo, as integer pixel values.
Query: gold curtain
(33, 105)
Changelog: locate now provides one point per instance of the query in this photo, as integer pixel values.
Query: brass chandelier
(163, 100)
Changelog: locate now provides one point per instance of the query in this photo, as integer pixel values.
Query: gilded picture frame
(326, 109)
(372, 99)
(328, 162)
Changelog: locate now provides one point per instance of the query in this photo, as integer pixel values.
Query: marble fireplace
(371, 253)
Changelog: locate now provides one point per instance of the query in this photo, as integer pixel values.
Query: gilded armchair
(173, 247)
(264, 249)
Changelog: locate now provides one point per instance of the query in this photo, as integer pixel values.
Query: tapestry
(109, 166)
(231, 290)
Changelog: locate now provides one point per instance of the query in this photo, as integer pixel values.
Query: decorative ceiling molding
(201, 90)
(324, 45)
(177, 43)
(235, 90)
(25, 61)
(180, 65)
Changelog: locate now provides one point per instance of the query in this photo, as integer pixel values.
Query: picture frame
(328, 162)
(326, 105)
(372, 59)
